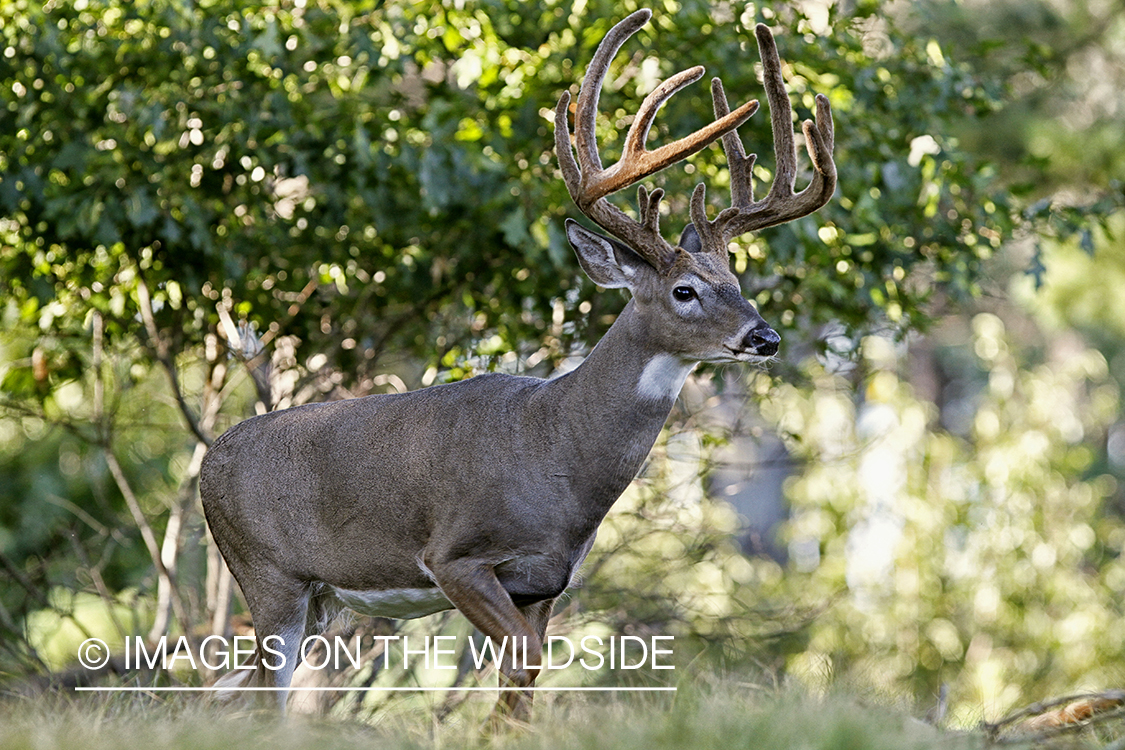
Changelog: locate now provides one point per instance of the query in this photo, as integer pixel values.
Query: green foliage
(1061, 61)
(981, 559)
(242, 154)
(398, 161)
(1081, 289)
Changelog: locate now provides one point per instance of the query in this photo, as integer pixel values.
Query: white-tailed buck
(486, 494)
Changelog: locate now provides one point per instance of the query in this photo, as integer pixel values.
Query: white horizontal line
(214, 689)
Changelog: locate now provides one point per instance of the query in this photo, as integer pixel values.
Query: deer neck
(613, 406)
(630, 371)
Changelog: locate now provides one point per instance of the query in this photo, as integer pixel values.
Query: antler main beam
(589, 183)
(781, 204)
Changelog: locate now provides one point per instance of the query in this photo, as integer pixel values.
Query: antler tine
(585, 114)
(589, 183)
(781, 204)
(781, 114)
(572, 175)
(741, 168)
(649, 204)
(637, 162)
(577, 173)
(739, 163)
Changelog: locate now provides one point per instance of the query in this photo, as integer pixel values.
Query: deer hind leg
(315, 670)
(279, 607)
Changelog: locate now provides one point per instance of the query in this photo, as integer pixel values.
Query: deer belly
(401, 604)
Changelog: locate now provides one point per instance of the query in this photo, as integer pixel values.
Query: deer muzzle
(762, 341)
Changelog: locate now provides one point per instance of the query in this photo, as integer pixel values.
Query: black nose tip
(763, 341)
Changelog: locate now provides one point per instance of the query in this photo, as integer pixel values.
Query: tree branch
(159, 347)
(147, 534)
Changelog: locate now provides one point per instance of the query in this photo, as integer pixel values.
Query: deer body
(486, 495)
(397, 500)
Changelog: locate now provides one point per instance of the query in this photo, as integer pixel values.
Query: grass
(699, 716)
(724, 715)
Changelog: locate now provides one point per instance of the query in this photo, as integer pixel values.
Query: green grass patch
(721, 715)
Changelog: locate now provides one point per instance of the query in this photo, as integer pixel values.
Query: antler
(781, 204)
(589, 183)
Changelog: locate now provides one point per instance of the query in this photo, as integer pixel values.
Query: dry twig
(1045, 720)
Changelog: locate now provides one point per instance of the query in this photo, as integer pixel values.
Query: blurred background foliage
(214, 208)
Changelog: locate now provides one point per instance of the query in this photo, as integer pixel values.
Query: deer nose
(763, 341)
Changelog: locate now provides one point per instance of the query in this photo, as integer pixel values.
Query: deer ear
(690, 241)
(606, 261)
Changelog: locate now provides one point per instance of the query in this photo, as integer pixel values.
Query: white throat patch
(663, 377)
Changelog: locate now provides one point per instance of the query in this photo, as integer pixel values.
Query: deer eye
(683, 294)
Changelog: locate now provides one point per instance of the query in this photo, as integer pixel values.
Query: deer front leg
(518, 701)
(473, 588)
